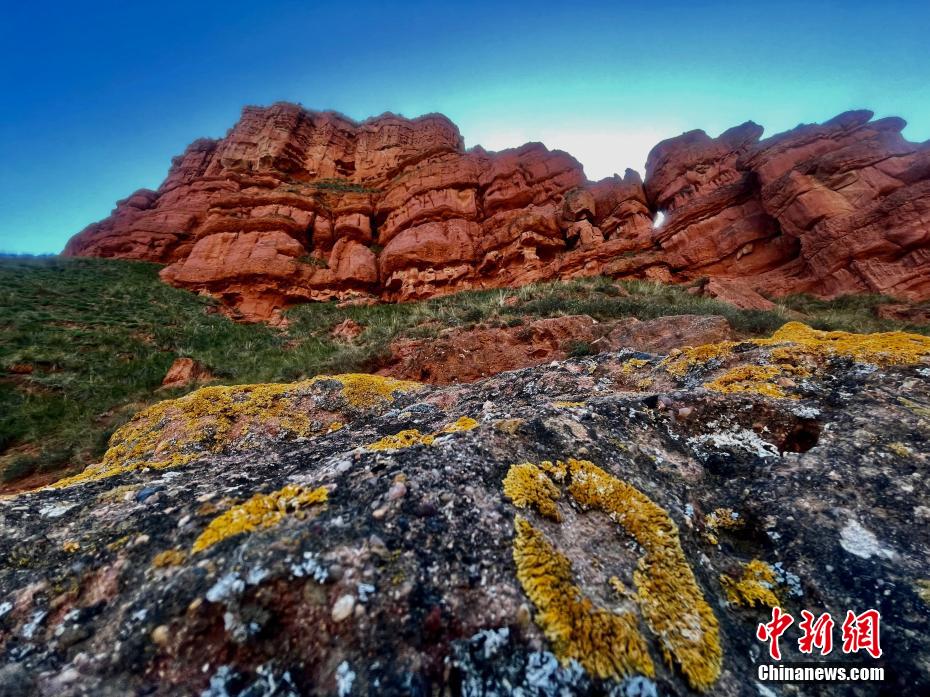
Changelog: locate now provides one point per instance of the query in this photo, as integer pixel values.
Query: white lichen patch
(345, 676)
(227, 586)
(310, 566)
(742, 439)
(862, 542)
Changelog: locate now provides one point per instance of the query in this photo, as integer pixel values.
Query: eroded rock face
(295, 205)
(183, 371)
(616, 524)
(466, 355)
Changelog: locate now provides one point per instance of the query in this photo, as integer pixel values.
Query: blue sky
(95, 98)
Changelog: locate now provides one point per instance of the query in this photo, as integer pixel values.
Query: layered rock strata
(295, 205)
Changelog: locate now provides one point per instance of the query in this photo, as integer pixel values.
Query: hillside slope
(86, 343)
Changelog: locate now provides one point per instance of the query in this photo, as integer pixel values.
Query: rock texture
(616, 524)
(184, 371)
(466, 355)
(295, 205)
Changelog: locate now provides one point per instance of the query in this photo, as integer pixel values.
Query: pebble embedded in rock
(343, 608)
(160, 635)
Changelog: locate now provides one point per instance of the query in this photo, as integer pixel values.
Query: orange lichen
(605, 643)
(885, 348)
(632, 365)
(749, 378)
(678, 363)
(363, 391)
(794, 340)
(755, 585)
(527, 485)
(667, 592)
(177, 431)
(170, 557)
(510, 426)
(260, 511)
(721, 519)
(463, 423)
(410, 437)
(403, 439)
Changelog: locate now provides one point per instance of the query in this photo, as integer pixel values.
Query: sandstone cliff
(295, 205)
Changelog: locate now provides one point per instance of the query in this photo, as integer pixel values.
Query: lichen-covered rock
(294, 206)
(613, 524)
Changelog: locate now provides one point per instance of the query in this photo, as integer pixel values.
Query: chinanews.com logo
(860, 634)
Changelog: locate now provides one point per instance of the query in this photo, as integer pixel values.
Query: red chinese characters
(816, 633)
(771, 631)
(861, 632)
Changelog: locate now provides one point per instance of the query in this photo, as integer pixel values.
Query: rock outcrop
(184, 371)
(616, 524)
(466, 355)
(295, 205)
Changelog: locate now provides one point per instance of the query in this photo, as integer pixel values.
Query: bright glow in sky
(95, 98)
(604, 151)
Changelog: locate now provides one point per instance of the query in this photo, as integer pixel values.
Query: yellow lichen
(527, 485)
(749, 378)
(176, 431)
(723, 519)
(412, 436)
(885, 348)
(70, 546)
(720, 519)
(914, 407)
(605, 643)
(170, 557)
(260, 511)
(567, 405)
(667, 592)
(363, 391)
(755, 585)
(463, 423)
(795, 340)
(900, 449)
(334, 426)
(681, 362)
(619, 587)
(633, 364)
(403, 439)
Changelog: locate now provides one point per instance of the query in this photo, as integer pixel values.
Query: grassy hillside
(99, 335)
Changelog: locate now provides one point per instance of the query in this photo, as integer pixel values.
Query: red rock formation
(184, 371)
(466, 355)
(294, 205)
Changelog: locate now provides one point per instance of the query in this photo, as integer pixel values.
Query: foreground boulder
(295, 205)
(615, 524)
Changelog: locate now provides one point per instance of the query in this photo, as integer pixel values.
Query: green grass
(101, 334)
